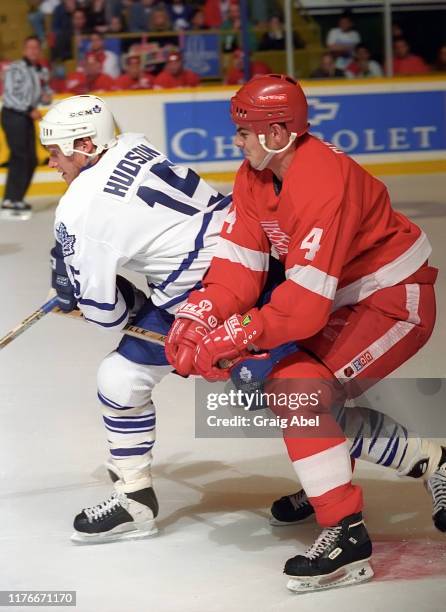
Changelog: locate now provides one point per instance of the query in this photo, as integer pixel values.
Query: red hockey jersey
(333, 227)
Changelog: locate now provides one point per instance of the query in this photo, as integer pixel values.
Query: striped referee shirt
(24, 85)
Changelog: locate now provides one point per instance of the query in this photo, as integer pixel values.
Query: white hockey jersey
(137, 210)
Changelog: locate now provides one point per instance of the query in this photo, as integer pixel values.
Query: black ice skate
(122, 516)
(15, 211)
(436, 485)
(338, 557)
(291, 509)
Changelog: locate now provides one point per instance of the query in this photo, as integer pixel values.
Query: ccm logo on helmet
(90, 111)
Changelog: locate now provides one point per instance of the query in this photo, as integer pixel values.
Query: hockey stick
(137, 332)
(51, 306)
(28, 322)
(128, 330)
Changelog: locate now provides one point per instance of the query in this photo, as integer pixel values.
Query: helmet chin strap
(89, 156)
(271, 152)
(95, 154)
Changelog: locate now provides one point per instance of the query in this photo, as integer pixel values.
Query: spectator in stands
(180, 14)
(232, 25)
(216, 12)
(159, 20)
(108, 59)
(138, 14)
(327, 68)
(36, 19)
(39, 11)
(440, 63)
(274, 38)
(235, 74)
(79, 23)
(175, 75)
(97, 18)
(260, 11)
(341, 41)
(116, 25)
(91, 78)
(362, 66)
(405, 62)
(114, 8)
(57, 80)
(25, 87)
(47, 6)
(197, 20)
(62, 29)
(397, 31)
(134, 76)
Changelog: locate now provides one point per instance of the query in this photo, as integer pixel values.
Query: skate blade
(345, 576)
(14, 215)
(276, 523)
(145, 530)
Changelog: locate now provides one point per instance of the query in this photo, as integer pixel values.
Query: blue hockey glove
(249, 374)
(60, 280)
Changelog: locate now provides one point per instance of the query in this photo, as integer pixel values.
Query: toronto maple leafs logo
(66, 240)
(245, 375)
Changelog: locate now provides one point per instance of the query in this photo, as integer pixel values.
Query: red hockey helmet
(270, 98)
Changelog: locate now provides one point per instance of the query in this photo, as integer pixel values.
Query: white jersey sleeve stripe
(121, 321)
(174, 302)
(99, 305)
(199, 244)
(253, 260)
(314, 280)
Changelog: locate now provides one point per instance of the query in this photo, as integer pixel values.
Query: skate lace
(437, 485)
(299, 499)
(106, 507)
(325, 539)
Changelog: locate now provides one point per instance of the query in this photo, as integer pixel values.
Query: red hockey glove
(229, 342)
(181, 343)
(193, 321)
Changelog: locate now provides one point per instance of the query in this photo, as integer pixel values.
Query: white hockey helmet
(78, 117)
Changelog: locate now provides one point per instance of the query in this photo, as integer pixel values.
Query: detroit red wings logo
(276, 236)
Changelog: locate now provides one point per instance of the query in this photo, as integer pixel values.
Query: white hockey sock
(379, 439)
(422, 458)
(131, 436)
(125, 390)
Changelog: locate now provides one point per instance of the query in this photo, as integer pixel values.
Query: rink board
(395, 126)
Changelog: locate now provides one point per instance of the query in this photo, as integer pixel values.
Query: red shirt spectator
(175, 75)
(213, 13)
(109, 60)
(91, 79)
(134, 76)
(235, 75)
(405, 62)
